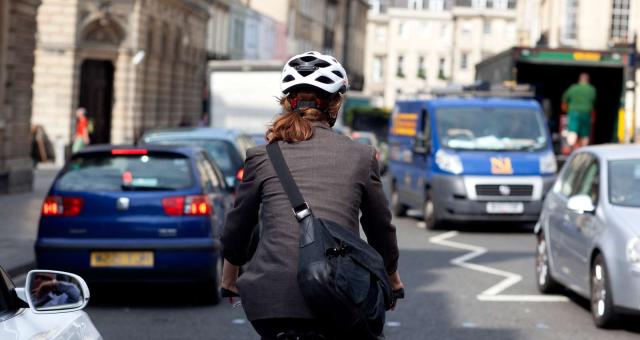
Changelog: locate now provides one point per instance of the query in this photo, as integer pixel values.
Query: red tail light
(240, 174)
(190, 206)
(62, 206)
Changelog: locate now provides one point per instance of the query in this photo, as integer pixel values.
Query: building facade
(416, 45)
(134, 65)
(17, 43)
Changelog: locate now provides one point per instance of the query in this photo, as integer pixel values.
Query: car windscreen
(491, 129)
(107, 172)
(624, 182)
(223, 152)
(363, 140)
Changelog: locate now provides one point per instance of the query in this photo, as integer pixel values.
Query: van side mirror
(421, 145)
(48, 291)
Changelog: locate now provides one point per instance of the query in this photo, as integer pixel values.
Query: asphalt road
(443, 298)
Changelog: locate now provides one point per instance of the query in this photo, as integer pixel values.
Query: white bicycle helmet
(314, 69)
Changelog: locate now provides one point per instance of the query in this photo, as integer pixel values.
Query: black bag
(341, 277)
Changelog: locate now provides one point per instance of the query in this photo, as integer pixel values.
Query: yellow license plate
(122, 259)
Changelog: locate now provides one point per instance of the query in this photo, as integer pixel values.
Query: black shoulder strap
(289, 185)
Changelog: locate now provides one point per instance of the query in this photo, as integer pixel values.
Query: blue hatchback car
(136, 214)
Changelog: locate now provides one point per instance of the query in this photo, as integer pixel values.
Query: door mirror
(49, 291)
(421, 145)
(581, 204)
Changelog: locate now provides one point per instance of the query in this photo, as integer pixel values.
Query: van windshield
(491, 129)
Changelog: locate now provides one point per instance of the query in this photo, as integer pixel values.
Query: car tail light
(197, 205)
(240, 174)
(62, 206)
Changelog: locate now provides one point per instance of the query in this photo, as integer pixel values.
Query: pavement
(19, 215)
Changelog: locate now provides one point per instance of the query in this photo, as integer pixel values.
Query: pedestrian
(578, 100)
(81, 135)
(338, 177)
(204, 120)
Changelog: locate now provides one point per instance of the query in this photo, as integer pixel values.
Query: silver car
(589, 229)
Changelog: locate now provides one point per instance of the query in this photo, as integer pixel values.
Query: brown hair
(294, 125)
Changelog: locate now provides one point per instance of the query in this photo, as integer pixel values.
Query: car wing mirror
(420, 144)
(49, 291)
(581, 204)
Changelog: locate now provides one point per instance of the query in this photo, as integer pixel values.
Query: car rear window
(223, 152)
(107, 172)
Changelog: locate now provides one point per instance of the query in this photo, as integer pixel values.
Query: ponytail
(294, 125)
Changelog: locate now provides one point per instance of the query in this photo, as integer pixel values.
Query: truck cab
(470, 159)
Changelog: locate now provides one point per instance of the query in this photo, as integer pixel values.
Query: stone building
(413, 46)
(133, 64)
(17, 43)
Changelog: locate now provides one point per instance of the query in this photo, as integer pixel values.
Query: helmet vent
(305, 72)
(294, 63)
(288, 78)
(324, 80)
(338, 73)
(308, 58)
(322, 64)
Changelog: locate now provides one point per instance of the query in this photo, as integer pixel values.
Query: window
(501, 4)
(478, 4)
(375, 6)
(570, 25)
(624, 182)
(422, 72)
(566, 184)
(464, 56)
(589, 181)
(105, 172)
(377, 72)
(620, 20)
(486, 28)
(415, 4)
(425, 28)
(381, 33)
(466, 28)
(441, 74)
(400, 68)
(402, 30)
(436, 5)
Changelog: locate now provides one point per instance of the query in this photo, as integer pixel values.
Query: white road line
(493, 293)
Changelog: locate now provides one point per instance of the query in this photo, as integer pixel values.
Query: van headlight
(449, 162)
(633, 250)
(548, 164)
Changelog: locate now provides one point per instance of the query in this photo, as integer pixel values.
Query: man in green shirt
(579, 98)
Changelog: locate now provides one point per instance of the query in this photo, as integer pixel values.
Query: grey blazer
(338, 178)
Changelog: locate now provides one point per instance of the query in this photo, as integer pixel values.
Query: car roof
(185, 150)
(195, 133)
(476, 102)
(614, 151)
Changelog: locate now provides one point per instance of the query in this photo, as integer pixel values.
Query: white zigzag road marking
(493, 293)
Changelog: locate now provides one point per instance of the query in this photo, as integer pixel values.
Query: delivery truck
(551, 71)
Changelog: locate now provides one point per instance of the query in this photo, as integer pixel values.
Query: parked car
(227, 147)
(49, 307)
(124, 213)
(470, 159)
(588, 236)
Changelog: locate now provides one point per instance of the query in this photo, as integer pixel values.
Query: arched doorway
(96, 96)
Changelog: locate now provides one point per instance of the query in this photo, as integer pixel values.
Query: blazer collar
(321, 124)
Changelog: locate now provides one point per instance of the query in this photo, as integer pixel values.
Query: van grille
(515, 190)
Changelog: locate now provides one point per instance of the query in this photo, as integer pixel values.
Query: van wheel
(429, 213)
(398, 209)
(546, 284)
(602, 310)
